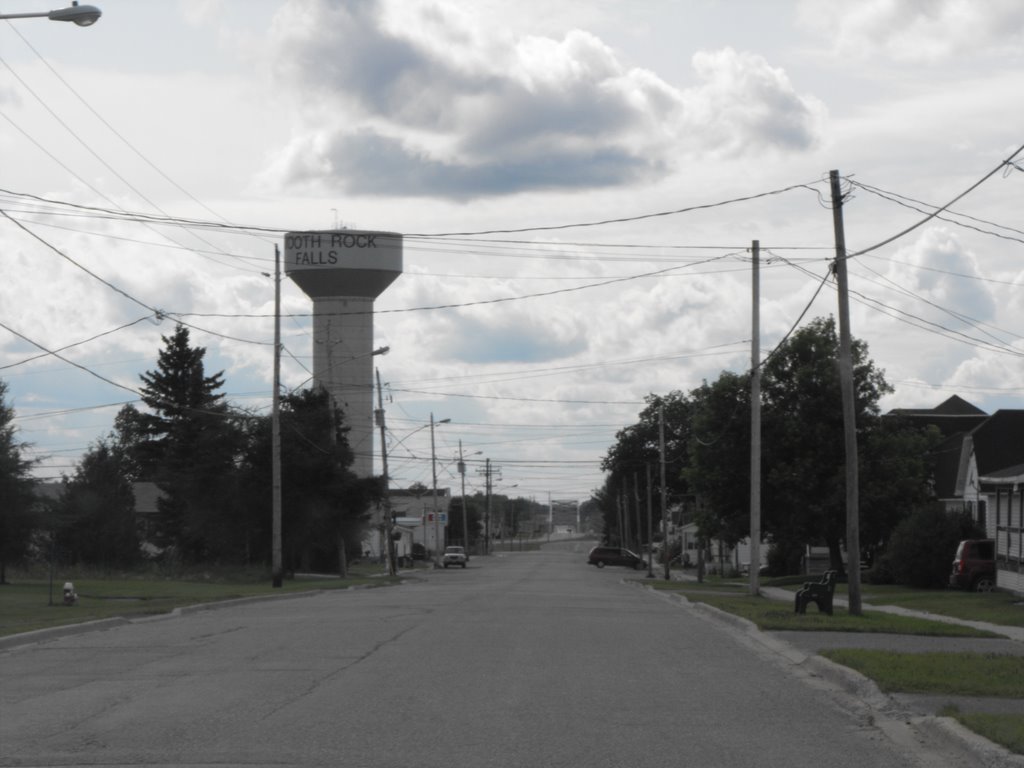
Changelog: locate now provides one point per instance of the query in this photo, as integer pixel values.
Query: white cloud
(918, 30)
(747, 105)
(404, 108)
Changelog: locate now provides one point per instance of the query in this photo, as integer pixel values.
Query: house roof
(948, 457)
(999, 442)
(1013, 475)
(952, 416)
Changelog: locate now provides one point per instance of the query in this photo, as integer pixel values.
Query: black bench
(817, 592)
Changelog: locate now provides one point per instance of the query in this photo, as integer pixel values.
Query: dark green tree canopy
(803, 494)
(189, 444)
(97, 511)
(17, 521)
(179, 387)
(325, 506)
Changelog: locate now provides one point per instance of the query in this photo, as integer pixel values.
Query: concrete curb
(66, 630)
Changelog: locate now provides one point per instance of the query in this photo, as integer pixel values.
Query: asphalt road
(530, 658)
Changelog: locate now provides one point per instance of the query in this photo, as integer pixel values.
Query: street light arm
(82, 15)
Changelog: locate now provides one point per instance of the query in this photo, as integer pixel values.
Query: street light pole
(433, 470)
(82, 15)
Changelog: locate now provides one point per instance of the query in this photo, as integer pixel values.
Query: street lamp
(82, 15)
(433, 470)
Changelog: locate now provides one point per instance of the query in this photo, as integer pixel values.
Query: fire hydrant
(70, 596)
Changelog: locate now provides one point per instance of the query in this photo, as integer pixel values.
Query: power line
(624, 219)
(157, 313)
(70, 362)
(1004, 164)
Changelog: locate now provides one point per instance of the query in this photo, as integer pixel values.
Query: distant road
(530, 659)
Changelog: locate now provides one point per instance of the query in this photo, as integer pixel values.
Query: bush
(881, 572)
(923, 545)
(784, 558)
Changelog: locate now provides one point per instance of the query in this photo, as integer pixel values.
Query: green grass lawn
(25, 601)
(778, 615)
(953, 674)
(1007, 730)
(992, 607)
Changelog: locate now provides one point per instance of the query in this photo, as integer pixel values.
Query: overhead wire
(157, 313)
(85, 145)
(1003, 164)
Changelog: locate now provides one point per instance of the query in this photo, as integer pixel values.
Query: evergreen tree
(17, 518)
(188, 444)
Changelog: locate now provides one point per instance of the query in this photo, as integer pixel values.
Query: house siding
(1005, 524)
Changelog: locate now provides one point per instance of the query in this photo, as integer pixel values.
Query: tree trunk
(835, 557)
(342, 562)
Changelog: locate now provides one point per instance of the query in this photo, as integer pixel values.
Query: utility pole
(664, 501)
(755, 421)
(275, 428)
(487, 516)
(388, 521)
(618, 504)
(636, 505)
(433, 470)
(650, 527)
(462, 473)
(849, 412)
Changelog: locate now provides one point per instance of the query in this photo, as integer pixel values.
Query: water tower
(343, 271)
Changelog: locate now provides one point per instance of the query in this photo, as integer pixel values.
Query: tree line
(707, 436)
(211, 463)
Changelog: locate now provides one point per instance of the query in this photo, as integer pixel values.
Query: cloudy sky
(579, 185)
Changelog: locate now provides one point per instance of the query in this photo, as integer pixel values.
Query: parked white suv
(454, 556)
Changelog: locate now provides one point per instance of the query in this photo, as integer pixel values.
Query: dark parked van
(602, 556)
(975, 565)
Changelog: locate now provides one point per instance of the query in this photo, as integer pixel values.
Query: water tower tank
(343, 271)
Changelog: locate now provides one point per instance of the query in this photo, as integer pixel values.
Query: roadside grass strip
(774, 615)
(1005, 730)
(937, 672)
(25, 604)
(992, 607)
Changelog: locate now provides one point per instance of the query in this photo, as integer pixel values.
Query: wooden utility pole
(664, 503)
(849, 408)
(462, 474)
(275, 429)
(388, 527)
(487, 513)
(755, 422)
(650, 526)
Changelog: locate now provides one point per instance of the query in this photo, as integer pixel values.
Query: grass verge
(942, 673)
(775, 615)
(993, 607)
(25, 603)
(1005, 730)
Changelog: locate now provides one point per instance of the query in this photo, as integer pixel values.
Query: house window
(981, 514)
